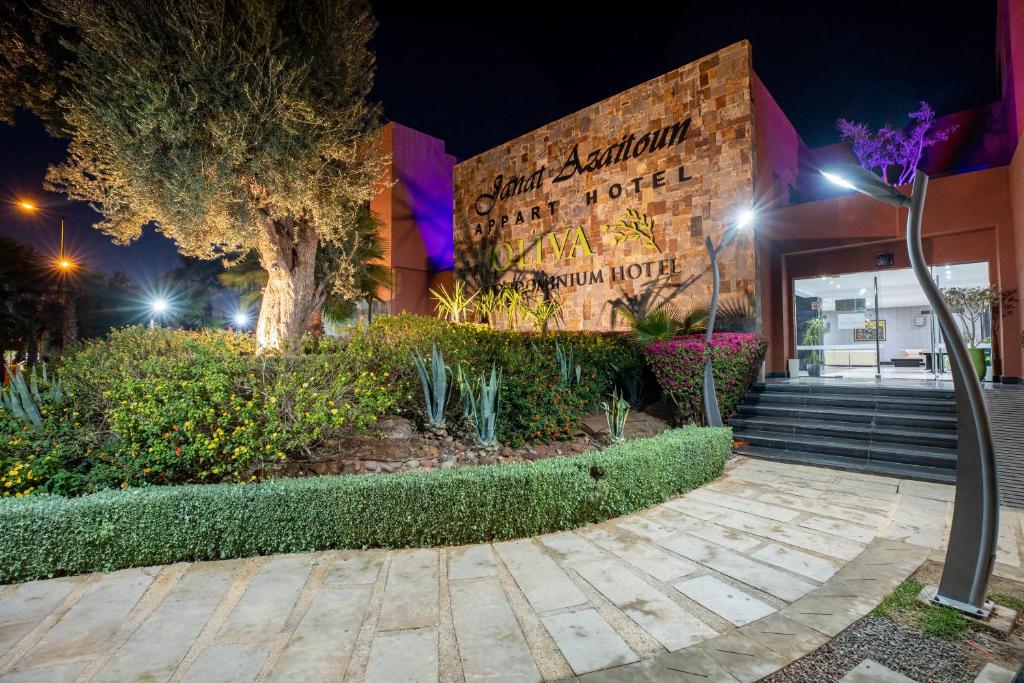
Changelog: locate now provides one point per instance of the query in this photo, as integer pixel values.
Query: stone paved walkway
(729, 582)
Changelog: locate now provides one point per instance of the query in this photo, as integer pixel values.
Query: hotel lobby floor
(728, 582)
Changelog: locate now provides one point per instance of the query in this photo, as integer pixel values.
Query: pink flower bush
(678, 364)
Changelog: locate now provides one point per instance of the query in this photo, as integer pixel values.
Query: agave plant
(485, 407)
(24, 399)
(436, 388)
(454, 305)
(615, 412)
(542, 313)
(465, 391)
(569, 372)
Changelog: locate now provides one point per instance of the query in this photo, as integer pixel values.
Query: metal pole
(711, 413)
(972, 541)
(878, 337)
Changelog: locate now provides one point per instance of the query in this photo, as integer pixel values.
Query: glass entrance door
(877, 324)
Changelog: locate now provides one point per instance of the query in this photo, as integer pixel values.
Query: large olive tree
(230, 125)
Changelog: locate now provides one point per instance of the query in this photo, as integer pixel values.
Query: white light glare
(242, 319)
(745, 218)
(862, 290)
(159, 305)
(839, 180)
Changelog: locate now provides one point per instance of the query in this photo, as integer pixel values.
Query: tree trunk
(287, 251)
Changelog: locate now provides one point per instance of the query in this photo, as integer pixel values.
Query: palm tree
(364, 248)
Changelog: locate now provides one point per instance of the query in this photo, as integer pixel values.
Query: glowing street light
(63, 262)
(159, 305)
(742, 221)
(241, 319)
(971, 551)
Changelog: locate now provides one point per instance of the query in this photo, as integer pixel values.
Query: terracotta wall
(1016, 192)
(415, 207)
(968, 217)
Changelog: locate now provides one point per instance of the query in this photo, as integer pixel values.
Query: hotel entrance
(879, 324)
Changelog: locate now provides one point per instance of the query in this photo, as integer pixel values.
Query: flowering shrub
(678, 364)
(165, 406)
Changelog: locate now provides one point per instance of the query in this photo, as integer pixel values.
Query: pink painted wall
(416, 209)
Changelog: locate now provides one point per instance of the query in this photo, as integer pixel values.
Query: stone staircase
(900, 432)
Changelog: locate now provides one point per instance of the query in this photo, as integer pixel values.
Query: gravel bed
(912, 653)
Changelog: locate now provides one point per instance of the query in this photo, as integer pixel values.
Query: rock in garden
(395, 428)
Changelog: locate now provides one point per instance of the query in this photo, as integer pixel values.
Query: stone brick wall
(553, 226)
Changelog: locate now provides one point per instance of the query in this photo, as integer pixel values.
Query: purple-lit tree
(894, 152)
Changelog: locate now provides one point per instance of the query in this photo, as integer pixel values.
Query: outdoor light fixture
(743, 219)
(159, 305)
(971, 552)
(241, 319)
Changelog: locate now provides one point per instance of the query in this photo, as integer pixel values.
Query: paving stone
(822, 508)
(24, 608)
(733, 487)
(471, 562)
(792, 535)
(770, 580)
(637, 672)
(411, 594)
(870, 671)
(760, 507)
(725, 600)
(322, 643)
(491, 644)
(661, 564)
(923, 489)
(744, 659)
(544, 584)
(587, 641)
(828, 615)
(355, 567)
(267, 603)
(228, 663)
(157, 647)
(92, 621)
(847, 530)
(692, 665)
(993, 673)
(921, 513)
(569, 547)
(926, 537)
(790, 639)
(723, 536)
(695, 508)
(665, 620)
(797, 561)
(645, 528)
(1006, 548)
(63, 673)
(403, 657)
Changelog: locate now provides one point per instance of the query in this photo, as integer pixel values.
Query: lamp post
(64, 265)
(972, 541)
(711, 412)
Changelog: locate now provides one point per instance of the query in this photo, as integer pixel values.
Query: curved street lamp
(711, 412)
(971, 553)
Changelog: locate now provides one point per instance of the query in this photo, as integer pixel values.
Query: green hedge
(50, 535)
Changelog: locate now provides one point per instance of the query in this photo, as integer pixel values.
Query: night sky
(479, 79)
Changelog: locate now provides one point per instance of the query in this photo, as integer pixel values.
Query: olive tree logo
(633, 225)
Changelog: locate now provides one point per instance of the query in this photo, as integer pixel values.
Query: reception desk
(850, 357)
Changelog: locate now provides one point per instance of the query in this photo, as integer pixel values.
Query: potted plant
(814, 334)
(970, 305)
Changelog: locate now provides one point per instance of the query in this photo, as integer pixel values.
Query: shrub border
(45, 536)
